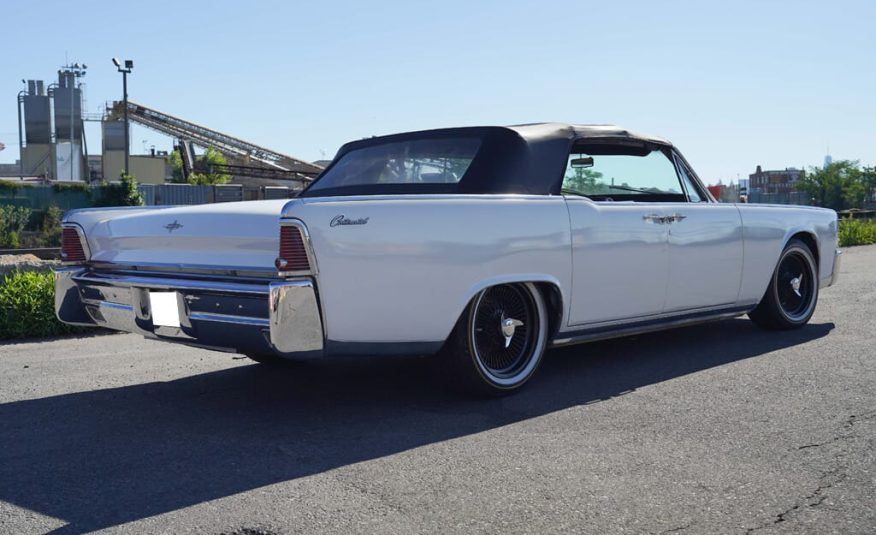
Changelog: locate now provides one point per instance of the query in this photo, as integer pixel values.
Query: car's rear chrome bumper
(248, 316)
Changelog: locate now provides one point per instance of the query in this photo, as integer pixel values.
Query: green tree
(868, 180)
(209, 175)
(176, 165)
(583, 180)
(205, 173)
(837, 186)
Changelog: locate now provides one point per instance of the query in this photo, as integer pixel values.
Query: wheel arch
(547, 285)
(810, 239)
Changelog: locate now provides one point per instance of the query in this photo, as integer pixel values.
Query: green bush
(27, 306)
(122, 194)
(50, 229)
(857, 232)
(13, 219)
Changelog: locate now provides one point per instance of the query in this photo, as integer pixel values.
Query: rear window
(410, 162)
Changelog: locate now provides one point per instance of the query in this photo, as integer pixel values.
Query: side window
(693, 192)
(609, 172)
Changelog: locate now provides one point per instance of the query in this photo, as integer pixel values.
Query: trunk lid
(240, 235)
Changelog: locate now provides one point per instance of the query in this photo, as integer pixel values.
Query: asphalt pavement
(719, 428)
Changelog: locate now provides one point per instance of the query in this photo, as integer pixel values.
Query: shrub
(856, 232)
(13, 219)
(50, 229)
(10, 186)
(122, 194)
(27, 306)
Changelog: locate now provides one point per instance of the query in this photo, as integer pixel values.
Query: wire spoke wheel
(506, 333)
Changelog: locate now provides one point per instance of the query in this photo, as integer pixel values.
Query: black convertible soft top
(525, 159)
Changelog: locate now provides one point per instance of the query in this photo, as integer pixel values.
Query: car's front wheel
(790, 300)
(499, 341)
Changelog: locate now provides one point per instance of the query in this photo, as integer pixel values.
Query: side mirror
(582, 163)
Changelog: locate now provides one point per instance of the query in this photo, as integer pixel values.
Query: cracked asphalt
(720, 428)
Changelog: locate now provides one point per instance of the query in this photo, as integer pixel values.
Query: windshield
(616, 174)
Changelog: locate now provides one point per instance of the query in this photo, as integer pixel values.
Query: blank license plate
(165, 311)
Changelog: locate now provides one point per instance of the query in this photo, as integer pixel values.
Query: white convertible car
(481, 246)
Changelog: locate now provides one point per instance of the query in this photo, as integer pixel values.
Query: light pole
(125, 71)
(71, 73)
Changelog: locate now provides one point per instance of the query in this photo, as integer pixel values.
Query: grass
(27, 306)
(857, 232)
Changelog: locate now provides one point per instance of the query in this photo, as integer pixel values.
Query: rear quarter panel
(407, 274)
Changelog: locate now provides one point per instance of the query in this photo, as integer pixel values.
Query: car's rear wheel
(499, 341)
(790, 300)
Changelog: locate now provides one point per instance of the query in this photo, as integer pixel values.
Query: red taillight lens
(293, 252)
(71, 246)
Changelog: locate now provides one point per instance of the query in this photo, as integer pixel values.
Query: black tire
(481, 357)
(790, 299)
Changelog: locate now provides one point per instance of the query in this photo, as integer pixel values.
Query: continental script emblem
(340, 220)
(173, 226)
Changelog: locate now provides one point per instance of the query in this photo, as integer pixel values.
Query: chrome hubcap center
(508, 326)
(795, 284)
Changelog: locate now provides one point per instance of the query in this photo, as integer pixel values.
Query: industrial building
(53, 145)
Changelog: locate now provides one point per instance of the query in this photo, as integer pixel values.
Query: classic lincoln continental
(481, 247)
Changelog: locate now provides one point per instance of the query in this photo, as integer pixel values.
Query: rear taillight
(293, 251)
(71, 246)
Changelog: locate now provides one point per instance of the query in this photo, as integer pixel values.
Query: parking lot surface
(718, 428)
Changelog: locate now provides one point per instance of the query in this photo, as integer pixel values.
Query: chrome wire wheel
(795, 285)
(507, 331)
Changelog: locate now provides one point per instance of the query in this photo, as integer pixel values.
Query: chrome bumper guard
(837, 262)
(281, 316)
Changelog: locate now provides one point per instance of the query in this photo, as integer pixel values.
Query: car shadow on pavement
(101, 458)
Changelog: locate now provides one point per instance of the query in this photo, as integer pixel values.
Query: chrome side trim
(117, 306)
(592, 335)
(228, 318)
(308, 248)
(654, 318)
(188, 269)
(167, 283)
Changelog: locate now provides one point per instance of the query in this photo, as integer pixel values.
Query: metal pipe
(20, 136)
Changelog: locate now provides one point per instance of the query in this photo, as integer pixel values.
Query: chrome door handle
(655, 218)
(676, 217)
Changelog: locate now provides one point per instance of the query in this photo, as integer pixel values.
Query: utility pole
(125, 71)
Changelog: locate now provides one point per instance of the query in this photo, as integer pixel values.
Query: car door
(705, 249)
(618, 197)
(620, 260)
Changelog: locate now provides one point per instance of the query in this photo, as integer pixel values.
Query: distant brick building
(780, 181)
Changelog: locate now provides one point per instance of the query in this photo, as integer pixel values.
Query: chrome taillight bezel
(308, 250)
(83, 244)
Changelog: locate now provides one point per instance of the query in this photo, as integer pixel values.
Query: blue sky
(734, 84)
